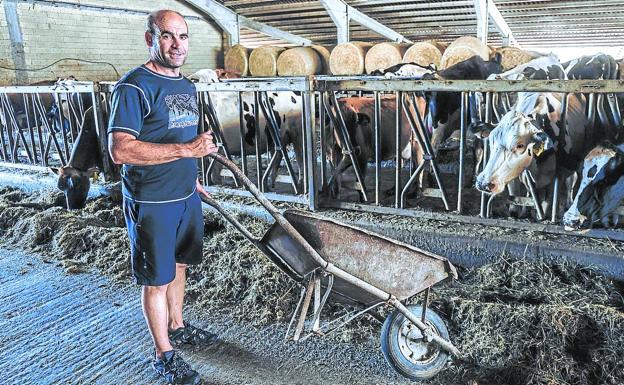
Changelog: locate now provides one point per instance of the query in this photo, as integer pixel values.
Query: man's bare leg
(154, 301)
(175, 298)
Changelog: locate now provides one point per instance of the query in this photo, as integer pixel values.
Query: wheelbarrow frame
(312, 281)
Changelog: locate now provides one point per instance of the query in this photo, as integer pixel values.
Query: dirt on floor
(516, 322)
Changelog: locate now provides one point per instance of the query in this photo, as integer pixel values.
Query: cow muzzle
(574, 223)
(484, 186)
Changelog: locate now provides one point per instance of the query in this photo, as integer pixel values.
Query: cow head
(442, 105)
(75, 184)
(514, 144)
(601, 190)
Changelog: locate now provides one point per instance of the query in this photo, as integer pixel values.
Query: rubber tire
(392, 352)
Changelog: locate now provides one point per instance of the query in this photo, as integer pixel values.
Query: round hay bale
(299, 61)
(237, 60)
(384, 55)
(349, 58)
(464, 48)
(442, 46)
(423, 53)
(324, 54)
(512, 57)
(263, 60)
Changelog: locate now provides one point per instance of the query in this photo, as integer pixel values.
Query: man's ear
(148, 38)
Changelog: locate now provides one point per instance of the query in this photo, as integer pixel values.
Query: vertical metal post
(485, 141)
(242, 126)
(100, 128)
(256, 113)
(462, 149)
(3, 128)
(323, 141)
(555, 201)
(30, 128)
(563, 127)
(39, 132)
(377, 125)
(310, 148)
(302, 169)
(398, 123)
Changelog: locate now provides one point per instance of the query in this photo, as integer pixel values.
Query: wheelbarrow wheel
(405, 349)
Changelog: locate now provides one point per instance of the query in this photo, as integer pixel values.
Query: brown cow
(358, 113)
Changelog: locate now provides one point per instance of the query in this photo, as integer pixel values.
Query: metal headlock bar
(280, 151)
(28, 137)
(422, 136)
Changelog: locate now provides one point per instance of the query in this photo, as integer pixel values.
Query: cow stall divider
(40, 124)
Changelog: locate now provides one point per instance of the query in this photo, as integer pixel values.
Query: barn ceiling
(534, 23)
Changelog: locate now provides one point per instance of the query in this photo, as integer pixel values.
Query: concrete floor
(78, 329)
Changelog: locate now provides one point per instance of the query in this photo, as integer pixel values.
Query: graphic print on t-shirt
(183, 110)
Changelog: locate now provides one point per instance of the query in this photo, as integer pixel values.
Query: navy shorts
(161, 235)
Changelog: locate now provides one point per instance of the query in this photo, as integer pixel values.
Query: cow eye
(520, 146)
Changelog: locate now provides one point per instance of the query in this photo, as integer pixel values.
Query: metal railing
(32, 137)
(40, 124)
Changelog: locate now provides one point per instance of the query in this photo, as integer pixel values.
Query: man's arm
(125, 148)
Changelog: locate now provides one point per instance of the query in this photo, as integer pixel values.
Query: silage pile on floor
(522, 322)
(516, 322)
(79, 239)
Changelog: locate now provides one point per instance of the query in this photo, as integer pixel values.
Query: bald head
(156, 18)
(166, 36)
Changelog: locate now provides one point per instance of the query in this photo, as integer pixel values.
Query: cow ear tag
(95, 176)
(538, 148)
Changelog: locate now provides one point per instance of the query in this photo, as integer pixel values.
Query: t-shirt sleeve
(129, 106)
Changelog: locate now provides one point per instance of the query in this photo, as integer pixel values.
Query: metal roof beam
(481, 10)
(231, 23)
(501, 24)
(341, 13)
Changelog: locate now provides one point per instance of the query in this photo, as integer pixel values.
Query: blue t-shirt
(156, 109)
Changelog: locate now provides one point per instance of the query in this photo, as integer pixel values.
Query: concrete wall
(105, 31)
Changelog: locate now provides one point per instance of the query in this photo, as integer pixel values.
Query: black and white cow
(527, 136)
(601, 190)
(285, 106)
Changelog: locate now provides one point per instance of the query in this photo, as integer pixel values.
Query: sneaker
(191, 335)
(175, 370)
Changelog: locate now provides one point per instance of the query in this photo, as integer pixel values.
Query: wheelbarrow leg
(304, 309)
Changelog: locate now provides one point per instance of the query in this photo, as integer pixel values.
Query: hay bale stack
(442, 46)
(299, 61)
(324, 54)
(384, 55)
(263, 60)
(512, 56)
(349, 58)
(462, 49)
(423, 53)
(237, 60)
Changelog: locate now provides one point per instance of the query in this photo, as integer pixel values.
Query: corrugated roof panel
(535, 23)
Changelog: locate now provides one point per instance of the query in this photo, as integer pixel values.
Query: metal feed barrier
(40, 124)
(32, 139)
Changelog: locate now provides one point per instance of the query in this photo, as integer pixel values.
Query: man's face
(168, 46)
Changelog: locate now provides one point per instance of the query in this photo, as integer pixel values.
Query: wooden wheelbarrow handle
(275, 213)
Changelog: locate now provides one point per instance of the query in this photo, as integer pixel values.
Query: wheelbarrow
(357, 267)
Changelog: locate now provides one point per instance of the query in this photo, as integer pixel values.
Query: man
(153, 133)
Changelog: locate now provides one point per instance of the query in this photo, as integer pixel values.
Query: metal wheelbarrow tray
(356, 267)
